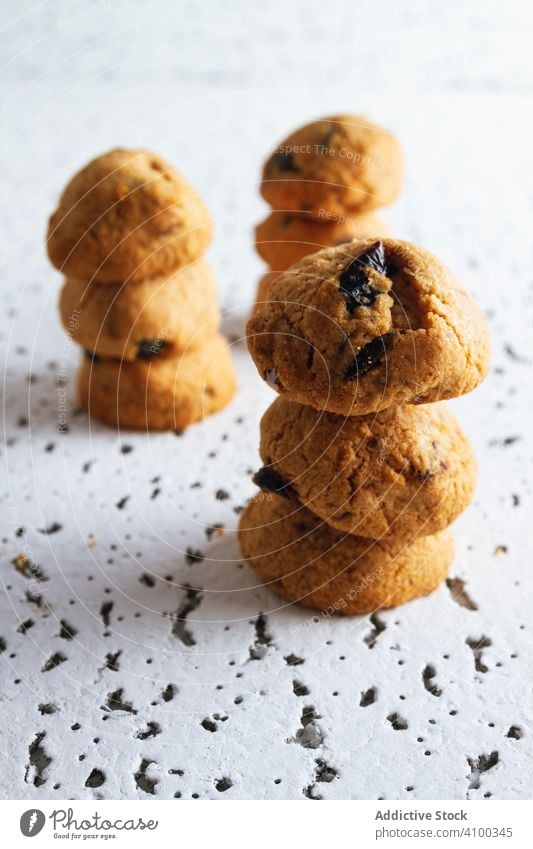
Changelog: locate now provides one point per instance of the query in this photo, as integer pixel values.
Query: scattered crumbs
(368, 697)
(397, 722)
(116, 702)
(143, 782)
(147, 579)
(223, 784)
(193, 599)
(512, 354)
(123, 501)
(194, 555)
(293, 660)
(28, 568)
(111, 660)
(38, 761)
(221, 495)
(51, 529)
(378, 626)
(299, 689)
(480, 765)
(459, 594)
(214, 530)
(515, 732)
(95, 779)
(428, 676)
(169, 692)
(501, 549)
(477, 645)
(67, 631)
(503, 442)
(47, 709)
(55, 660)
(310, 735)
(152, 730)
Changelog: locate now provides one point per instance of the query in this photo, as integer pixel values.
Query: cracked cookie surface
(408, 471)
(304, 560)
(159, 316)
(368, 325)
(127, 215)
(161, 393)
(283, 239)
(341, 164)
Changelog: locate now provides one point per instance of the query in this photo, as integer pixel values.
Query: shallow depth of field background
(101, 694)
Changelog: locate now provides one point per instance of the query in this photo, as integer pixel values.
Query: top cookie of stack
(366, 326)
(128, 215)
(324, 182)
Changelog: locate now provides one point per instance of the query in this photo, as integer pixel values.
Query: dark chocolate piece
(285, 162)
(369, 356)
(267, 478)
(353, 281)
(148, 348)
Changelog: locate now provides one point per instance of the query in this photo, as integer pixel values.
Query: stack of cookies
(324, 182)
(129, 234)
(364, 465)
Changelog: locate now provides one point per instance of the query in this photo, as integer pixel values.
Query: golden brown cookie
(163, 315)
(409, 471)
(343, 164)
(283, 239)
(159, 394)
(127, 215)
(368, 325)
(303, 560)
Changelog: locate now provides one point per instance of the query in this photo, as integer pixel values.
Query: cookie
(162, 315)
(407, 471)
(283, 239)
(342, 165)
(159, 394)
(127, 215)
(303, 560)
(368, 325)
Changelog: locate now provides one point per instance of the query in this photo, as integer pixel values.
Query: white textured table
(140, 657)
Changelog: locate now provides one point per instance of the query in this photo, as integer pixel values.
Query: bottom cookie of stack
(160, 393)
(304, 560)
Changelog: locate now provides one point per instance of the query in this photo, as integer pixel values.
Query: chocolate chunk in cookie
(354, 282)
(369, 356)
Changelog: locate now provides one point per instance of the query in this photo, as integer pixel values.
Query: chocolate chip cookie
(304, 560)
(409, 471)
(167, 393)
(283, 239)
(368, 325)
(126, 216)
(136, 320)
(343, 164)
